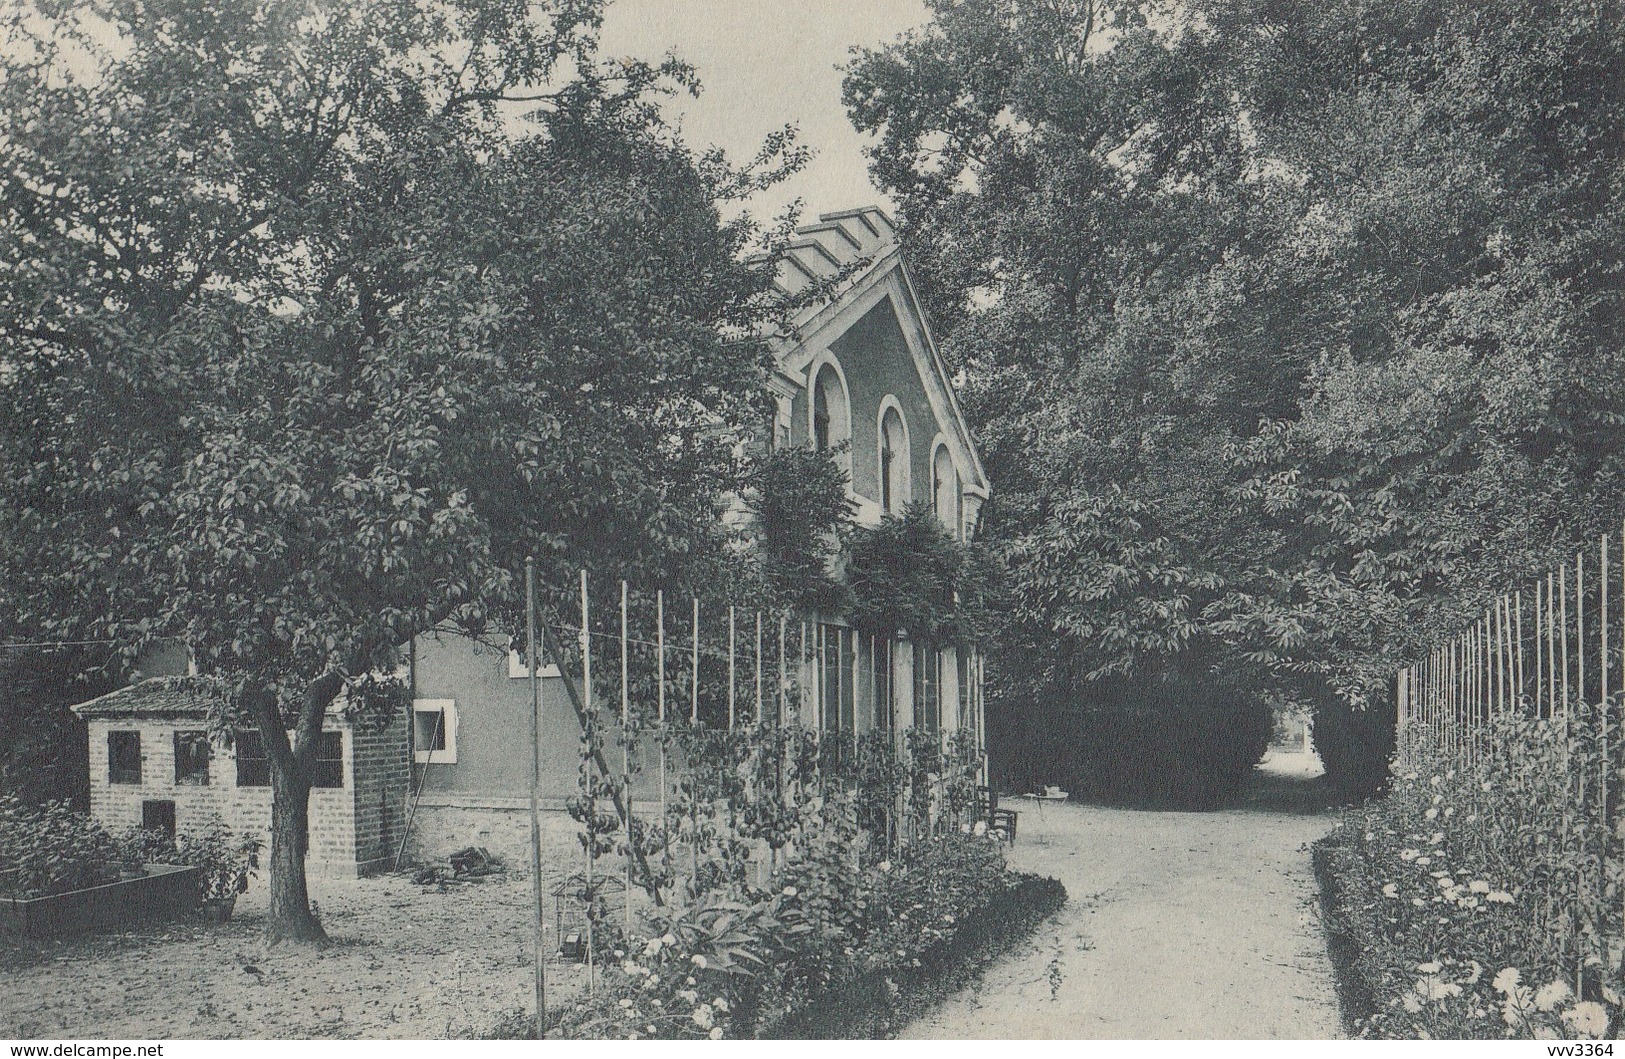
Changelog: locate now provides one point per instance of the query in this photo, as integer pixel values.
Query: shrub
(51, 849)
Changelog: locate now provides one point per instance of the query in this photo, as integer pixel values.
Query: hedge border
(875, 1005)
(1356, 996)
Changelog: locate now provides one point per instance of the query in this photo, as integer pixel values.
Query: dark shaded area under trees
(1290, 332)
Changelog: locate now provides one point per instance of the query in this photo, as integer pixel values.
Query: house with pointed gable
(860, 377)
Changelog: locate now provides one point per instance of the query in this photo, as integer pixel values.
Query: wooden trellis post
(626, 753)
(1551, 643)
(660, 718)
(592, 804)
(537, 923)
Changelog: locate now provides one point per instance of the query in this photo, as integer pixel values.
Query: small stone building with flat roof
(155, 762)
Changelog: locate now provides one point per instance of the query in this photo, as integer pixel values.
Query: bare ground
(1180, 926)
(407, 961)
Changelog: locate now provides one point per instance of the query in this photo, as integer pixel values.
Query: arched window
(831, 418)
(893, 462)
(945, 490)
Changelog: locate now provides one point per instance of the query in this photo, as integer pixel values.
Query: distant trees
(308, 335)
(1290, 329)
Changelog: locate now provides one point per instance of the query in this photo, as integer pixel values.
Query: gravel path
(1179, 926)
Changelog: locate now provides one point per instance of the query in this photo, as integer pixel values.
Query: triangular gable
(886, 278)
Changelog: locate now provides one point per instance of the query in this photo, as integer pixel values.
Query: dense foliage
(1480, 898)
(53, 848)
(1289, 329)
(908, 574)
(43, 754)
(737, 966)
(318, 318)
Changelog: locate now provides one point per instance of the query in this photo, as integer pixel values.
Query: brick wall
(349, 825)
(381, 774)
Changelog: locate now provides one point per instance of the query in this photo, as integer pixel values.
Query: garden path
(1180, 925)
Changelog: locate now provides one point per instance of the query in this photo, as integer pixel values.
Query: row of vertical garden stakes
(737, 776)
(1545, 659)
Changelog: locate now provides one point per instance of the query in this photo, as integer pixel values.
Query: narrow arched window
(945, 490)
(831, 419)
(893, 462)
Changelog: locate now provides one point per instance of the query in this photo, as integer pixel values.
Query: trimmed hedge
(879, 1003)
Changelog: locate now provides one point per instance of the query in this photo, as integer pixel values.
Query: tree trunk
(290, 918)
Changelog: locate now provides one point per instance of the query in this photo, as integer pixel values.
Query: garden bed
(164, 892)
(877, 1003)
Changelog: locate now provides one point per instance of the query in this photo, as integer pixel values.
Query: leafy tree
(318, 318)
(1290, 329)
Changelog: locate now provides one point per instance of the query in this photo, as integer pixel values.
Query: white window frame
(447, 708)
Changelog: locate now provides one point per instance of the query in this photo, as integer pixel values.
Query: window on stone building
(946, 493)
(123, 757)
(253, 766)
(329, 760)
(158, 816)
(880, 665)
(192, 758)
(831, 412)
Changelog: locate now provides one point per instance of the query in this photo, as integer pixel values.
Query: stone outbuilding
(156, 762)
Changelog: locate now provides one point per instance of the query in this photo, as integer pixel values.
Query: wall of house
(875, 359)
(493, 725)
(333, 810)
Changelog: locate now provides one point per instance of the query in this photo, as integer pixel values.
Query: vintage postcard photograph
(604, 520)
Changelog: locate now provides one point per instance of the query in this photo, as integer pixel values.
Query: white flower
(1548, 996)
(1431, 967)
(1479, 886)
(698, 961)
(668, 939)
(1390, 890)
(884, 865)
(790, 891)
(716, 1033)
(1431, 814)
(1435, 988)
(625, 1003)
(1587, 1018)
(653, 948)
(1500, 897)
(1506, 980)
(702, 1016)
(1422, 862)
(720, 1004)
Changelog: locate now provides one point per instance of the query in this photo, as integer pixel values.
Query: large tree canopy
(1291, 330)
(317, 318)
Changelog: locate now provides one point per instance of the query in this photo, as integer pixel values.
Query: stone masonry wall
(333, 810)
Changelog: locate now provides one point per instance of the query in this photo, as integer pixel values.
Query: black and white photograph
(946, 520)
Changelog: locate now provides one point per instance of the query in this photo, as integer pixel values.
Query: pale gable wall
(875, 358)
